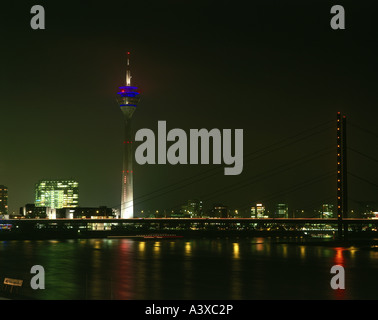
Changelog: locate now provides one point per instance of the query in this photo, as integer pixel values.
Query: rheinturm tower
(128, 98)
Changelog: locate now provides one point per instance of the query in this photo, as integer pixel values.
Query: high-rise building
(258, 211)
(128, 99)
(327, 211)
(193, 208)
(57, 194)
(281, 210)
(3, 200)
(220, 211)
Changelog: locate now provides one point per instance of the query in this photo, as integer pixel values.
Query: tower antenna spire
(128, 72)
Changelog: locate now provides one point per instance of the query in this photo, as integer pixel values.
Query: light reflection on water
(256, 268)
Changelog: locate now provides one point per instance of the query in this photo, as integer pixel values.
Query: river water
(254, 268)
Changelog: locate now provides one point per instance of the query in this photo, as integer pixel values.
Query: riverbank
(187, 234)
(354, 238)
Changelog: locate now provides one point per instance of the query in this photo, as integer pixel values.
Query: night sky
(275, 69)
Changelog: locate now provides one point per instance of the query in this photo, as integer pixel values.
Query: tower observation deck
(128, 99)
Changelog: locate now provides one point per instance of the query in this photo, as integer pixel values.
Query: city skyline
(63, 194)
(189, 71)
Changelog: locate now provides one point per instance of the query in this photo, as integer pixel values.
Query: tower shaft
(127, 199)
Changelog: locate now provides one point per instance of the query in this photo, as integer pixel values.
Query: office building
(57, 194)
(327, 211)
(220, 211)
(101, 212)
(3, 200)
(281, 211)
(192, 209)
(258, 211)
(31, 211)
